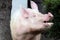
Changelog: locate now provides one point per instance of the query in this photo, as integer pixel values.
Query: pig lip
(47, 21)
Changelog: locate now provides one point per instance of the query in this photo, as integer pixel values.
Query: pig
(27, 23)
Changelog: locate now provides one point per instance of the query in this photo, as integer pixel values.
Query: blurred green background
(53, 6)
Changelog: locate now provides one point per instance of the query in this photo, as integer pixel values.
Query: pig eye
(34, 15)
(26, 17)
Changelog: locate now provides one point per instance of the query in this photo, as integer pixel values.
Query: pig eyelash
(34, 15)
(26, 17)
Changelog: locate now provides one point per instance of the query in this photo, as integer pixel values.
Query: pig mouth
(47, 21)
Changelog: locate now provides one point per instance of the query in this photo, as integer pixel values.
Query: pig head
(27, 20)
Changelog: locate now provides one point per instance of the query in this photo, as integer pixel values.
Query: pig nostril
(51, 15)
(51, 18)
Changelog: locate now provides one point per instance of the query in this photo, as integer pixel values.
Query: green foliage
(54, 2)
(54, 7)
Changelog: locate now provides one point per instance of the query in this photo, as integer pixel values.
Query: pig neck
(29, 36)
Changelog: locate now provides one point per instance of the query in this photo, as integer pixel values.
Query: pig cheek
(18, 29)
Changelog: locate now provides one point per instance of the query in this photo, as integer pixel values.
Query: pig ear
(34, 5)
(25, 13)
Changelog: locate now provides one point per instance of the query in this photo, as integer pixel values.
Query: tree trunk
(5, 7)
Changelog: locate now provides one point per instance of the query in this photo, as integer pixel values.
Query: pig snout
(48, 17)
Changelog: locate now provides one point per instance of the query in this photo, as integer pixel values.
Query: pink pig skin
(26, 22)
